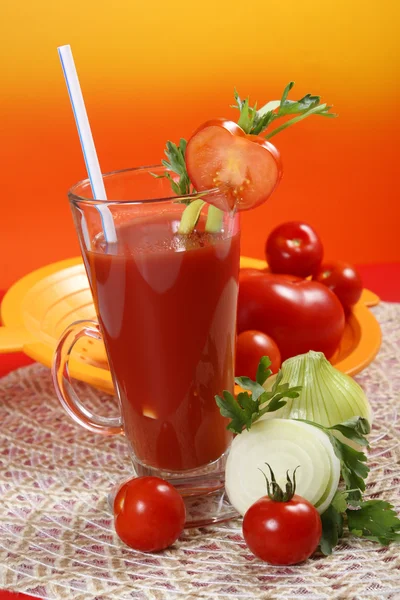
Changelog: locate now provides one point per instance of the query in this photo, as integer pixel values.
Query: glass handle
(62, 381)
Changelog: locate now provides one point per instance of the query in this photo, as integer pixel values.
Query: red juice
(167, 309)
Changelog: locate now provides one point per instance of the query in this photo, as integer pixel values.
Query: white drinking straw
(86, 138)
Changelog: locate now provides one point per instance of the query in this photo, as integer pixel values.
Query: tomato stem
(274, 490)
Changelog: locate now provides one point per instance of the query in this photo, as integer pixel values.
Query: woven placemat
(56, 532)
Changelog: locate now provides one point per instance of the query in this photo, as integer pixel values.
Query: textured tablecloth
(56, 532)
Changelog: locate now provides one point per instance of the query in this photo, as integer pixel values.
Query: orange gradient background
(153, 72)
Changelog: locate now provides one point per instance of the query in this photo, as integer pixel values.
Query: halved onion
(284, 445)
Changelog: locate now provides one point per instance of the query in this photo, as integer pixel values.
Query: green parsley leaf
(176, 164)
(273, 400)
(374, 520)
(354, 429)
(290, 107)
(339, 501)
(248, 384)
(353, 468)
(263, 370)
(332, 529)
(254, 121)
(286, 93)
(249, 407)
(275, 403)
(256, 387)
(239, 410)
(247, 114)
(322, 109)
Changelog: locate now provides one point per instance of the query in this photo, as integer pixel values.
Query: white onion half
(284, 445)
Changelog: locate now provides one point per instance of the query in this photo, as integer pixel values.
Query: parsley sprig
(256, 121)
(353, 465)
(250, 405)
(176, 164)
(374, 520)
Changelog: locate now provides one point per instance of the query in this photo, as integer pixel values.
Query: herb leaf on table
(352, 462)
(374, 520)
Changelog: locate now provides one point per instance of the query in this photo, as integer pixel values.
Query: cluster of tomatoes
(297, 304)
(150, 516)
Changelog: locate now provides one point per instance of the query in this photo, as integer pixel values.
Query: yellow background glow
(154, 71)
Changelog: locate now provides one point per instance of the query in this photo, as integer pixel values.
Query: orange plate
(37, 309)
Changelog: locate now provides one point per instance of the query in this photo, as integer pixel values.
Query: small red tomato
(245, 168)
(343, 280)
(250, 347)
(282, 533)
(282, 528)
(149, 514)
(294, 248)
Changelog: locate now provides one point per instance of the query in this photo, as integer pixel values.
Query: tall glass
(166, 306)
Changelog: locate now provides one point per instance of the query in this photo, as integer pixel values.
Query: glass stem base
(202, 489)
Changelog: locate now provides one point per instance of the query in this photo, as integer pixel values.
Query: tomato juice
(166, 305)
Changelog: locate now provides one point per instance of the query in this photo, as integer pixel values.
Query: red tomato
(149, 514)
(250, 347)
(245, 168)
(282, 533)
(251, 272)
(343, 280)
(300, 315)
(294, 248)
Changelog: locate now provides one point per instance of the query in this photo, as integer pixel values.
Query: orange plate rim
(361, 357)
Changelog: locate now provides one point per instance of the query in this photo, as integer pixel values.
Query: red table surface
(383, 279)
(14, 596)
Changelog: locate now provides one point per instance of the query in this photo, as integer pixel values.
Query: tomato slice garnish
(245, 168)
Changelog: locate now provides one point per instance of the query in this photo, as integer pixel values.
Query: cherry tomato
(282, 533)
(294, 248)
(300, 315)
(343, 280)
(250, 347)
(245, 168)
(149, 514)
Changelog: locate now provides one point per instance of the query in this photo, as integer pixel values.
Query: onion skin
(328, 396)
